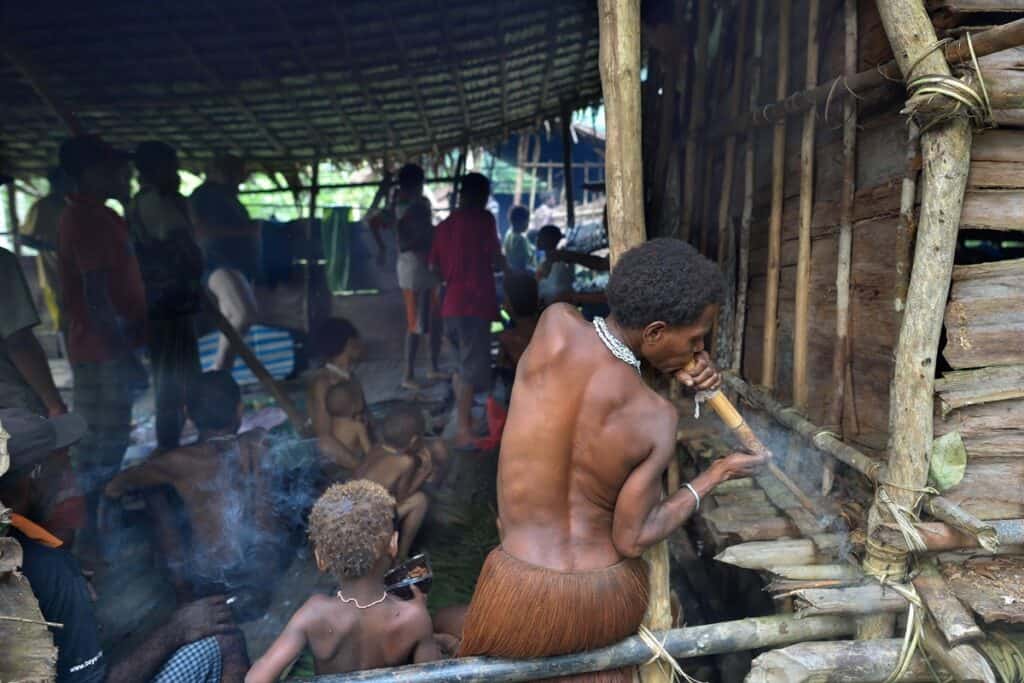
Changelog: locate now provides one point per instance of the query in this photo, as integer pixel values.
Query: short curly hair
(350, 525)
(403, 423)
(663, 280)
(330, 337)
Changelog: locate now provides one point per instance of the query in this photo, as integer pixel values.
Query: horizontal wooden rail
(957, 52)
(681, 643)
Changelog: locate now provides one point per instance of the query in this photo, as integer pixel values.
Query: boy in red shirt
(105, 308)
(466, 253)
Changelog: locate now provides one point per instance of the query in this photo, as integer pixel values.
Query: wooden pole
(12, 218)
(907, 226)
(957, 52)
(743, 258)
(696, 98)
(570, 201)
(801, 323)
(682, 643)
(314, 190)
(533, 175)
(844, 259)
(726, 255)
(838, 662)
(521, 152)
(946, 160)
(771, 303)
(620, 80)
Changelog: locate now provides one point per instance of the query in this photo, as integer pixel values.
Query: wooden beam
(771, 304)
(985, 42)
(684, 643)
(215, 81)
(503, 59)
(310, 67)
(749, 188)
(317, 137)
(946, 157)
(38, 81)
(345, 41)
(570, 203)
(801, 321)
(454, 70)
(952, 618)
(13, 222)
(549, 58)
(412, 80)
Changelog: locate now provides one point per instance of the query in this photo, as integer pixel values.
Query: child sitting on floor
(224, 484)
(362, 626)
(337, 342)
(402, 462)
(349, 427)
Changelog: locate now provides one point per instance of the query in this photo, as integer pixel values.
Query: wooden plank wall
(982, 397)
(995, 201)
(880, 166)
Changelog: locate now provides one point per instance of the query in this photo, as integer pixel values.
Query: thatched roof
(281, 82)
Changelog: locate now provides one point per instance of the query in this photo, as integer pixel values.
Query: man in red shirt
(466, 253)
(105, 306)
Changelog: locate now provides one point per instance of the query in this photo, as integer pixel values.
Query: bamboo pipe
(728, 414)
(771, 296)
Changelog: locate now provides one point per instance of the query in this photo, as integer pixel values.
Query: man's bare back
(222, 486)
(579, 423)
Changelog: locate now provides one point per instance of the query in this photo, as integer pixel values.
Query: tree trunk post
(946, 160)
(771, 303)
(620, 80)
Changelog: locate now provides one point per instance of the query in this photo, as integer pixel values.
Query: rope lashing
(664, 659)
(1003, 655)
(974, 103)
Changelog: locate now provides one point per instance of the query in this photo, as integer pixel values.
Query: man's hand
(57, 408)
(738, 465)
(202, 618)
(700, 374)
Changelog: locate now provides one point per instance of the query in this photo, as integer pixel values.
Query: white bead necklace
(353, 601)
(615, 345)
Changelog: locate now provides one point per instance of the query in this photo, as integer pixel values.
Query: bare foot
(410, 385)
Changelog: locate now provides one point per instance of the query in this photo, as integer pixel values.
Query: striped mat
(272, 345)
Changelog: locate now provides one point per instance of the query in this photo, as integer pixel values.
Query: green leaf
(948, 461)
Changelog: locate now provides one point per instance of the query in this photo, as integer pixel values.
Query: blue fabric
(198, 662)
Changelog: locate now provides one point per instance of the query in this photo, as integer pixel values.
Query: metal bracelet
(695, 495)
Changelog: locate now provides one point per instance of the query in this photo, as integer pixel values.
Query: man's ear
(652, 333)
(320, 564)
(393, 545)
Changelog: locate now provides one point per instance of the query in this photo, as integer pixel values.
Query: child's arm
(421, 470)
(161, 469)
(364, 439)
(388, 470)
(426, 648)
(285, 650)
